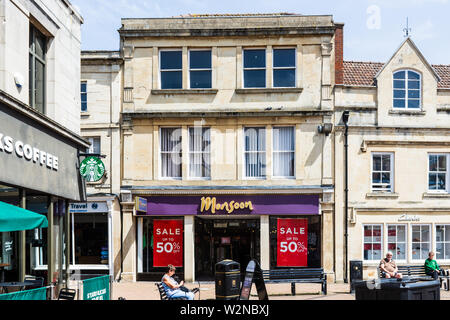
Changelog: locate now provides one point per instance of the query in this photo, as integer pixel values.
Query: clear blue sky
(373, 28)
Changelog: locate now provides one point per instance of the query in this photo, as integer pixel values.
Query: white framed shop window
(397, 241)
(420, 244)
(442, 238)
(372, 242)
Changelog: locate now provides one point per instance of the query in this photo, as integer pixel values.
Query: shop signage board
(92, 169)
(88, 207)
(292, 242)
(141, 204)
(167, 243)
(269, 204)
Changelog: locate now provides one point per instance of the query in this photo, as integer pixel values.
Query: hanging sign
(167, 243)
(92, 169)
(292, 242)
(141, 204)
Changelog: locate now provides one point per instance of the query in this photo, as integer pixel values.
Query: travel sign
(92, 169)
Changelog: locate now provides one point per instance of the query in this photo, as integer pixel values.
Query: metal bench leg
(293, 288)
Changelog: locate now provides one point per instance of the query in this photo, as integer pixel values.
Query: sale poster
(292, 242)
(167, 243)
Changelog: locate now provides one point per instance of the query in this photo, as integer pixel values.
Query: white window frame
(284, 68)
(392, 158)
(447, 175)
(170, 70)
(245, 69)
(91, 147)
(283, 151)
(406, 90)
(203, 69)
(381, 225)
(444, 242)
(202, 152)
(244, 175)
(405, 225)
(430, 241)
(161, 177)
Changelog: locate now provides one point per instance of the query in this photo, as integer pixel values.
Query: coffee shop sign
(29, 153)
(406, 217)
(210, 204)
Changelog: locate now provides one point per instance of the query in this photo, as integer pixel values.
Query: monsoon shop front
(194, 232)
(39, 173)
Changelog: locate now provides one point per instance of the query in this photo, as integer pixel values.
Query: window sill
(407, 112)
(391, 195)
(436, 195)
(183, 91)
(85, 113)
(268, 90)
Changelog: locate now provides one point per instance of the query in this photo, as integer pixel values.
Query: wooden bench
(304, 275)
(418, 271)
(163, 294)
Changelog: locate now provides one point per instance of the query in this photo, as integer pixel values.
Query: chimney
(339, 52)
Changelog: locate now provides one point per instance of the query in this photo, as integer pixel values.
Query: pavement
(144, 290)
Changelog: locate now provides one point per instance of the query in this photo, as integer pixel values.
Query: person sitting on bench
(173, 288)
(431, 266)
(389, 268)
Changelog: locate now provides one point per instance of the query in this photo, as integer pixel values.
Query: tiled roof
(357, 73)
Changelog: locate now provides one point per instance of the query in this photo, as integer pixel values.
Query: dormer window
(407, 87)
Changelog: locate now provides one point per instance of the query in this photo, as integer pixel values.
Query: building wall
(59, 21)
(375, 127)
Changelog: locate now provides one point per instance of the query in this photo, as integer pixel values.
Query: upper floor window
(407, 88)
(200, 69)
(284, 68)
(171, 69)
(438, 172)
(254, 68)
(199, 152)
(382, 172)
(171, 152)
(83, 90)
(283, 152)
(95, 147)
(37, 69)
(255, 152)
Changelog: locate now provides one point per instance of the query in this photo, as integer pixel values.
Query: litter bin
(397, 289)
(356, 272)
(228, 280)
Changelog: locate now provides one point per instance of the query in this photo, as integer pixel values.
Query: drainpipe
(345, 117)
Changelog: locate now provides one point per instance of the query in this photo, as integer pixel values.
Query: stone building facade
(222, 111)
(398, 160)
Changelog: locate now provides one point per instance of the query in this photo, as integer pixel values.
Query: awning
(14, 218)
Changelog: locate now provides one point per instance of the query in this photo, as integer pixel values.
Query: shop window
(443, 242)
(283, 152)
(199, 152)
(171, 153)
(284, 68)
(421, 242)
(254, 68)
(83, 93)
(407, 89)
(37, 69)
(90, 238)
(382, 172)
(373, 242)
(255, 152)
(313, 248)
(397, 241)
(438, 172)
(200, 69)
(171, 69)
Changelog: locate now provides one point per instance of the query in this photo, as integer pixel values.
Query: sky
(373, 30)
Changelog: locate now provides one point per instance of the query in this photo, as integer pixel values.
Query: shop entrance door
(219, 239)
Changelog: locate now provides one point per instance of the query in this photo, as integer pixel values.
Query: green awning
(14, 218)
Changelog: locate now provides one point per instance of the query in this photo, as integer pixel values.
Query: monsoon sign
(96, 288)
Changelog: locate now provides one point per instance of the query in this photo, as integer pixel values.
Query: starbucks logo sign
(92, 169)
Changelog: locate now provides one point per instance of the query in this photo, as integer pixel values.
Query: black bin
(228, 280)
(356, 272)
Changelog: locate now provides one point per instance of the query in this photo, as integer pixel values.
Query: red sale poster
(167, 243)
(292, 243)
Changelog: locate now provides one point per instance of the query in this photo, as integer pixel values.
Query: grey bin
(394, 289)
(228, 280)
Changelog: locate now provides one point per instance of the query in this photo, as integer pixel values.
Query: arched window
(407, 88)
